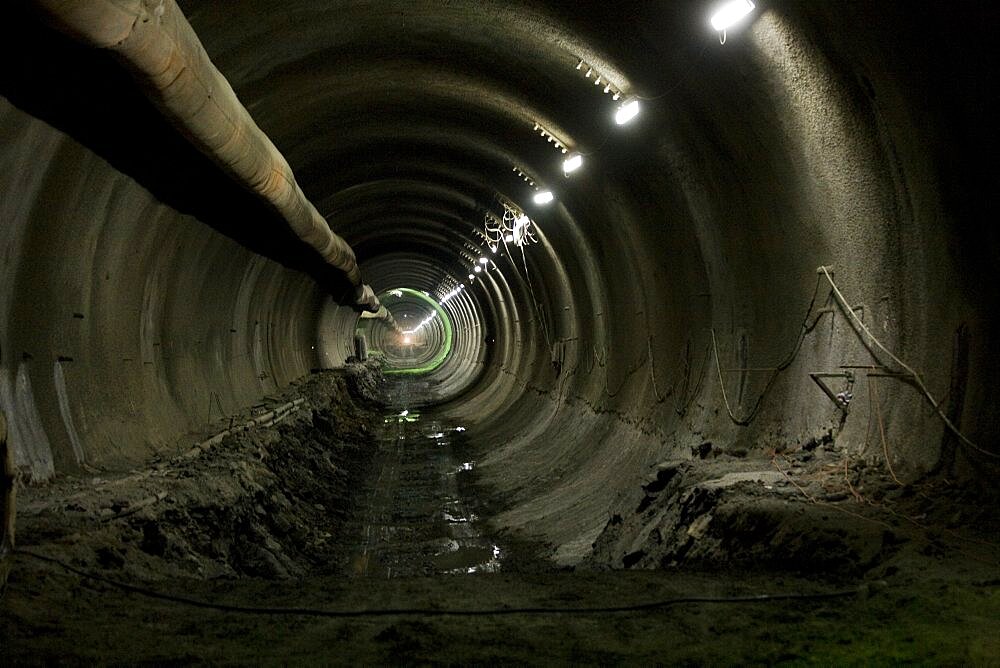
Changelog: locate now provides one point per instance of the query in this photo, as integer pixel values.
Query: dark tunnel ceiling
(424, 109)
(398, 118)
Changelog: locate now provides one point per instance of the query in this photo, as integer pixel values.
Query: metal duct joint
(154, 40)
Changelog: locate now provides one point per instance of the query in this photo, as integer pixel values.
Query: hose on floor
(434, 612)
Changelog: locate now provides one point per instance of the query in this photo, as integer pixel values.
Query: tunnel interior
(621, 256)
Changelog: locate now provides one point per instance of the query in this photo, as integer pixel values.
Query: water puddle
(416, 520)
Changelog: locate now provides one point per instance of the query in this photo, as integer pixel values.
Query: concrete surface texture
(673, 299)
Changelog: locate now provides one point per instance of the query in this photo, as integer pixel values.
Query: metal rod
(817, 375)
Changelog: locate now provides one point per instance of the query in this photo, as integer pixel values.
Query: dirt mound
(266, 501)
(812, 512)
(365, 380)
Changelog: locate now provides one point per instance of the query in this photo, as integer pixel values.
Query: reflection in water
(417, 520)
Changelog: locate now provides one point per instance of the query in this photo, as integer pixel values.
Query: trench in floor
(418, 514)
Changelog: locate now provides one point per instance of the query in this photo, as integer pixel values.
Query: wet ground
(357, 533)
(419, 514)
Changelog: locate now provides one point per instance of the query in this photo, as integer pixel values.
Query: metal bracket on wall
(841, 399)
(877, 371)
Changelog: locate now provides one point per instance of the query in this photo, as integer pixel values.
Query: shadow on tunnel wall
(86, 94)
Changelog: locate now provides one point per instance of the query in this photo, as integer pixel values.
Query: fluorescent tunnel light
(544, 197)
(730, 13)
(572, 163)
(626, 112)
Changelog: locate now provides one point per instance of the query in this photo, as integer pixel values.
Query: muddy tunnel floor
(343, 521)
(418, 515)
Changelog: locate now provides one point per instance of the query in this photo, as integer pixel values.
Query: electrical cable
(679, 81)
(597, 150)
(690, 398)
(667, 91)
(434, 612)
(917, 379)
(881, 429)
(538, 309)
(652, 368)
(803, 330)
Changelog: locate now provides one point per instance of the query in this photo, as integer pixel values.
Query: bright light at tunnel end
(730, 13)
(626, 112)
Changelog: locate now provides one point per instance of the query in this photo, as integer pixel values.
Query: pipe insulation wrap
(154, 40)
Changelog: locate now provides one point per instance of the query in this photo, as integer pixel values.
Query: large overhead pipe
(154, 40)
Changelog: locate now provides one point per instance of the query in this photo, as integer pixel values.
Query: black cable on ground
(432, 612)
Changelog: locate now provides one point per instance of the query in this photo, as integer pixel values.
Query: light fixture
(477, 269)
(483, 260)
(509, 238)
(472, 277)
(626, 112)
(543, 197)
(730, 13)
(572, 163)
(493, 248)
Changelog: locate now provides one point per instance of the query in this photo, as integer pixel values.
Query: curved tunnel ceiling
(673, 295)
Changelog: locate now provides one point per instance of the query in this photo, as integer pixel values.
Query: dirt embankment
(817, 511)
(268, 500)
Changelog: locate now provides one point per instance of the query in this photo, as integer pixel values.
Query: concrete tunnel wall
(835, 134)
